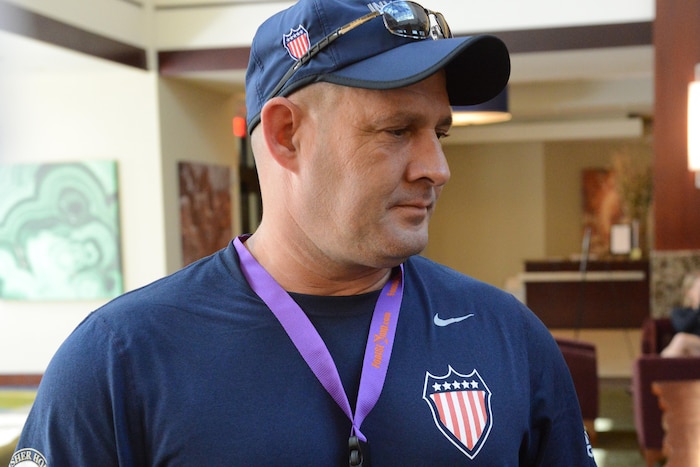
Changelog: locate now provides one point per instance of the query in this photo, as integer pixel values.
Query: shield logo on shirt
(461, 407)
(296, 42)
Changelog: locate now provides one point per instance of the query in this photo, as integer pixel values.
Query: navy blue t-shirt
(194, 369)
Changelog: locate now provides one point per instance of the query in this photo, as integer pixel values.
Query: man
(322, 339)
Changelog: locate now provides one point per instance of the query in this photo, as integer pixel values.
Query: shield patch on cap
(461, 407)
(296, 42)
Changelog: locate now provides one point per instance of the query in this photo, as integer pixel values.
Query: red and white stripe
(299, 46)
(463, 413)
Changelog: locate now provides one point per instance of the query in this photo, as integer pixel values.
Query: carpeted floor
(617, 441)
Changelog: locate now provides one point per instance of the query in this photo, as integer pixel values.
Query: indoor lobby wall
(195, 127)
(79, 116)
(507, 203)
(564, 164)
(490, 215)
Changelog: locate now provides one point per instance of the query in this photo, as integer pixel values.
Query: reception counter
(608, 294)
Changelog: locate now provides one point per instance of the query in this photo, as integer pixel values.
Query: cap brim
(477, 67)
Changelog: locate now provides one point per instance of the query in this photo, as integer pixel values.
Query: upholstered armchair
(650, 367)
(583, 365)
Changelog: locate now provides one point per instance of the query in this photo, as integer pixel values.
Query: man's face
(371, 170)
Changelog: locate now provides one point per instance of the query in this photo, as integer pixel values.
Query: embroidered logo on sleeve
(589, 447)
(461, 407)
(28, 457)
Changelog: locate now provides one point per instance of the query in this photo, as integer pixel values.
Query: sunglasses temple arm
(358, 22)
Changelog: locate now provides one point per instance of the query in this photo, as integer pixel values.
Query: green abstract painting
(59, 231)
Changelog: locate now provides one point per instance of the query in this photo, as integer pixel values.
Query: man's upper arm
(80, 411)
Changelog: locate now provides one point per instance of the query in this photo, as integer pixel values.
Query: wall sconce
(491, 111)
(694, 126)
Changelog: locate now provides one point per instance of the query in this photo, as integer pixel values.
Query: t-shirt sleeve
(80, 416)
(558, 436)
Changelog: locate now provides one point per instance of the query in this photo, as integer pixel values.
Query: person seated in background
(686, 321)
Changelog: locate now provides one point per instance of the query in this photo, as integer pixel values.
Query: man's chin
(408, 244)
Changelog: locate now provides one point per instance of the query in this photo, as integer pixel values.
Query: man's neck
(298, 270)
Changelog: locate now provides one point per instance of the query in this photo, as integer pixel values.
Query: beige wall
(491, 214)
(564, 162)
(147, 124)
(105, 114)
(507, 203)
(195, 126)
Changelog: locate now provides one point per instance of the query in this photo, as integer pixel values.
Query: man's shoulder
(438, 276)
(187, 303)
(441, 288)
(423, 265)
(210, 280)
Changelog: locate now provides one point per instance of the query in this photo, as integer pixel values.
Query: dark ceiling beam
(27, 23)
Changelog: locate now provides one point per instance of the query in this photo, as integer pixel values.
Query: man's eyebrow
(413, 117)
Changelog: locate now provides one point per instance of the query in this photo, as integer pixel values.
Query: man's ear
(279, 121)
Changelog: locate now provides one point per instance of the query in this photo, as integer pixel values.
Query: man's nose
(429, 162)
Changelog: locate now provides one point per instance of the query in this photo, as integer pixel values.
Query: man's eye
(398, 131)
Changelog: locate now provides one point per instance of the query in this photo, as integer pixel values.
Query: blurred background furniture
(609, 294)
(680, 405)
(16, 400)
(6, 451)
(647, 369)
(582, 361)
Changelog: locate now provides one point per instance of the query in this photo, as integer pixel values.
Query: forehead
(435, 83)
(430, 93)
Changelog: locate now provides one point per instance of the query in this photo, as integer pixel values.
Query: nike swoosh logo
(446, 322)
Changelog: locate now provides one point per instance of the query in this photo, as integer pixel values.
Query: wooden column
(677, 50)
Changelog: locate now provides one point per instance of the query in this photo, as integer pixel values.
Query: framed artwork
(601, 208)
(205, 209)
(621, 239)
(59, 231)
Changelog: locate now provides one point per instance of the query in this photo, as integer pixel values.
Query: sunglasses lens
(407, 19)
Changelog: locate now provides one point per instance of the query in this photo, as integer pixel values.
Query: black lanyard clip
(355, 451)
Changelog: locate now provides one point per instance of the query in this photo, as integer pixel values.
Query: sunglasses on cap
(401, 18)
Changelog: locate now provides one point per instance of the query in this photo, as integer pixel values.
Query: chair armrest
(564, 342)
(582, 361)
(656, 334)
(647, 414)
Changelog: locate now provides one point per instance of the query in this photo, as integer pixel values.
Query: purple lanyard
(312, 348)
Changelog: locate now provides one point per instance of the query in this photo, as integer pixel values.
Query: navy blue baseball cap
(366, 54)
